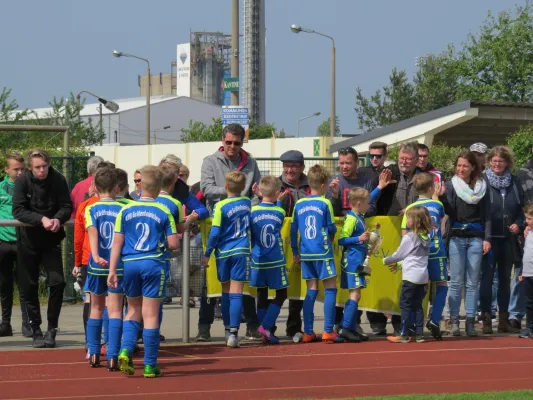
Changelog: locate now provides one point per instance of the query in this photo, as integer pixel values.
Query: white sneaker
(88, 355)
(226, 336)
(233, 341)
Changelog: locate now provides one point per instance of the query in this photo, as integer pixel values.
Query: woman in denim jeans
(466, 204)
(506, 202)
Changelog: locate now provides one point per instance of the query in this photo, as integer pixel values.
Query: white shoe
(88, 355)
(233, 341)
(226, 336)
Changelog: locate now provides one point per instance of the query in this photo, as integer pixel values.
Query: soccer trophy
(374, 241)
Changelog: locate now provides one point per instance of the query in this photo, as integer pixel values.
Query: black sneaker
(50, 338)
(26, 330)
(526, 334)
(204, 334)
(162, 338)
(38, 340)
(362, 335)
(348, 335)
(5, 330)
(434, 329)
(252, 334)
(218, 311)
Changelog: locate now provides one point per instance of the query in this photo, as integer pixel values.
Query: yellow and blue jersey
(313, 218)
(123, 200)
(230, 228)
(145, 225)
(102, 215)
(175, 208)
(436, 212)
(354, 251)
(267, 244)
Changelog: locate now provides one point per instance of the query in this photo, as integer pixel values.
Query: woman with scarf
(466, 203)
(506, 203)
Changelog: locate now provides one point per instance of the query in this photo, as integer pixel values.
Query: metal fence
(272, 166)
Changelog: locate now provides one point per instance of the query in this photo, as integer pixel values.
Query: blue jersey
(436, 212)
(175, 208)
(354, 251)
(313, 218)
(145, 225)
(267, 244)
(123, 200)
(102, 215)
(230, 229)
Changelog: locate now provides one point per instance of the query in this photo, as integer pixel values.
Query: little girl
(412, 258)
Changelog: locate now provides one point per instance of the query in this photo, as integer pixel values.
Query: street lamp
(119, 54)
(158, 130)
(109, 104)
(297, 29)
(315, 114)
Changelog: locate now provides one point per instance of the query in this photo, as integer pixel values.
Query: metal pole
(333, 121)
(101, 126)
(186, 247)
(235, 49)
(148, 105)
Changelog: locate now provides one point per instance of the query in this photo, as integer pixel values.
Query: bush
(521, 143)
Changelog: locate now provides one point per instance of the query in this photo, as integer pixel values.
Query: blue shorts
(350, 280)
(318, 269)
(145, 278)
(437, 269)
(272, 278)
(97, 285)
(167, 270)
(235, 268)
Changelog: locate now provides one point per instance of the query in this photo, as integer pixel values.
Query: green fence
(272, 166)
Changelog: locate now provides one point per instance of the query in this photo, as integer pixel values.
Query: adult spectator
(424, 165)
(8, 248)
(229, 157)
(506, 203)
(136, 194)
(80, 190)
(41, 199)
(480, 151)
(294, 183)
(525, 177)
(467, 204)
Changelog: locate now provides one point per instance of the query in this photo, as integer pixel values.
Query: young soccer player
(229, 238)
(100, 223)
(142, 228)
(413, 255)
(527, 274)
(438, 273)
(268, 258)
(123, 186)
(313, 220)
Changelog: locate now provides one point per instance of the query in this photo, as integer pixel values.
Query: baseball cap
(292, 156)
(479, 148)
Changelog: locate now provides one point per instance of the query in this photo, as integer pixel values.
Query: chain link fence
(196, 273)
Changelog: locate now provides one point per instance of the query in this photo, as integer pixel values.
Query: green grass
(521, 394)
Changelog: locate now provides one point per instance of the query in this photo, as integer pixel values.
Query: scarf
(497, 181)
(466, 193)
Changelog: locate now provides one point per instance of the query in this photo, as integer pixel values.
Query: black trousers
(527, 292)
(8, 259)
(29, 261)
(411, 301)
(207, 311)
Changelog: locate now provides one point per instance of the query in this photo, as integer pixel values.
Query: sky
(54, 47)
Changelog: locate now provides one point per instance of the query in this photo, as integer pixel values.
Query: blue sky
(53, 47)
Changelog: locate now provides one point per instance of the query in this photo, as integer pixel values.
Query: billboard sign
(231, 84)
(183, 70)
(236, 115)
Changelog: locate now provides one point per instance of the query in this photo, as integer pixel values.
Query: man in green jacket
(8, 248)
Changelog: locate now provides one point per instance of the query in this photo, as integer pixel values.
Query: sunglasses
(378, 156)
(348, 150)
(234, 142)
(137, 180)
(182, 175)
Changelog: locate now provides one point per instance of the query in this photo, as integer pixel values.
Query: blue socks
(115, 334)
(94, 334)
(270, 317)
(438, 303)
(151, 346)
(130, 333)
(106, 326)
(235, 311)
(349, 320)
(309, 310)
(160, 314)
(330, 298)
(261, 312)
(225, 309)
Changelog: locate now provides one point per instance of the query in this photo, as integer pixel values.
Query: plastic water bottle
(298, 337)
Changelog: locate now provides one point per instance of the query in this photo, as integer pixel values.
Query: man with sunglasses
(136, 194)
(424, 165)
(229, 157)
(377, 153)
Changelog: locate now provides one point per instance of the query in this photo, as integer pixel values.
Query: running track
(287, 371)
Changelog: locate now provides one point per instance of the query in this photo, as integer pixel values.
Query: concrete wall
(161, 84)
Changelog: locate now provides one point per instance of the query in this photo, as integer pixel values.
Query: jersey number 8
(310, 227)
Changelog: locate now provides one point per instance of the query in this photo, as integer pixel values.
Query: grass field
(522, 395)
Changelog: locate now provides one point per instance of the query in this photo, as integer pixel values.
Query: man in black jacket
(41, 199)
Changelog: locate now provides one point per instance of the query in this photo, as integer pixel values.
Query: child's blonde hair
(423, 182)
(358, 194)
(421, 220)
(528, 210)
(151, 178)
(269, 185)
(235, 182)
(169, 176)
(317, 176)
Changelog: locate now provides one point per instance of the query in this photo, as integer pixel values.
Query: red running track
(318, 370)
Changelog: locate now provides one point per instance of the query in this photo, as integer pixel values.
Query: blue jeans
(517, 306)
(465, 272)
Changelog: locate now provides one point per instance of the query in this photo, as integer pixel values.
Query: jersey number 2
(145, 232)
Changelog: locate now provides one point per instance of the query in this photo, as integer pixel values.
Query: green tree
(521, 143)
(266, 131)
(200, 132)
(324, 128)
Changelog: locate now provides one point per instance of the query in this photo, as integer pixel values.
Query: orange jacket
(82, 249)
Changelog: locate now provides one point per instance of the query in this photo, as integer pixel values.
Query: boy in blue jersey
(141, 230)
(268, 258)
(100, 224)
(229, 238)
(438, 273)
(123, 186)
(313, 220)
